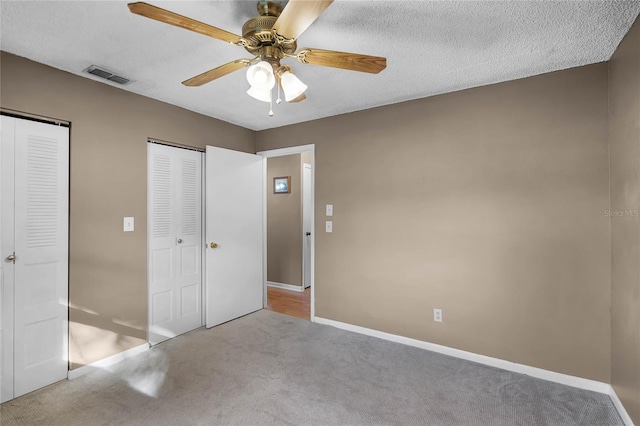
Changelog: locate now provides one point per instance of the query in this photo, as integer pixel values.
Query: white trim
(289, 287)
(303, 210)
(621, 410)
(287, 151)
(264, 233)
(552, 376)
(203, 241)
(279, 153)
(113, 359)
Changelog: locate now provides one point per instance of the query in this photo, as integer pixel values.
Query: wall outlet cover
(437, 315)
(128, 224)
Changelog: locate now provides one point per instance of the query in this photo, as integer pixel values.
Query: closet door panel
(161, 242)
(189, 212)
(41, 247)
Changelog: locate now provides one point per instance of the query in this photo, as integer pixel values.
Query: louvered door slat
(162, 196)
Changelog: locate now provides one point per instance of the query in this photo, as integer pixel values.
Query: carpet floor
(267, 368)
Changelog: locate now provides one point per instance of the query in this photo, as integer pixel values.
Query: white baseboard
(552, 376)
(621, 410)
(289, 287)
(113, 359)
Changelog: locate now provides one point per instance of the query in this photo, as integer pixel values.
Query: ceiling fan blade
(298, 15)
(221, 71)
(153, 12)
(346, 61)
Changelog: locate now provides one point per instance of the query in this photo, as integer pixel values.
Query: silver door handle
(11, 258)
(179, 240)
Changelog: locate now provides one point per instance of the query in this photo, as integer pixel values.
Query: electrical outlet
(437, 315)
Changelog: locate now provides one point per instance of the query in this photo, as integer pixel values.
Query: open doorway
(288, 224)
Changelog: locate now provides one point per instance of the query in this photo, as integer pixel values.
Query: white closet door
(41, 250)
(175, 241)
(6, 249)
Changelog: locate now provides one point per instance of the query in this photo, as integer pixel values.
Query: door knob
(179, 240)
(214, 245)
(308, 234)
(11, 258)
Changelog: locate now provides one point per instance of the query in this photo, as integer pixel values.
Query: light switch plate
(128, 224)
(328, 226)
(329, 210)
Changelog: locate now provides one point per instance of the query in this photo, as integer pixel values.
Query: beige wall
(487, 203)
(109, 131)
(306, 157)
(284, 222)
(624, 138)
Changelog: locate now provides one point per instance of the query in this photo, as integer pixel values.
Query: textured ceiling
(431, 47)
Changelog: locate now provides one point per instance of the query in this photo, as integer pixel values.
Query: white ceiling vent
(108, 75)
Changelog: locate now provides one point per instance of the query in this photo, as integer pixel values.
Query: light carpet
(267, 368)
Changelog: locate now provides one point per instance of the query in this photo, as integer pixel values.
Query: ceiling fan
(270, 37)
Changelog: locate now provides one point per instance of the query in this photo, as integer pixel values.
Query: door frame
(281, 152)
(309, 212)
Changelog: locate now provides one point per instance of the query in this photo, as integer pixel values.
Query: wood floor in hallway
(296, 304)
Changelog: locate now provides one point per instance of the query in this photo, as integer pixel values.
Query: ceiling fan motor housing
(258, 32)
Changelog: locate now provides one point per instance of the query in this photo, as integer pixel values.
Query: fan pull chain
(278, 100)
(270, 107)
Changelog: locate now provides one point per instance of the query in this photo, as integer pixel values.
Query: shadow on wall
(99, 335)
(117, 337)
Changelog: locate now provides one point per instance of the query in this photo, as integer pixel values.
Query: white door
(174, 241)
(306, 224)
(40, 268)
(234, 275)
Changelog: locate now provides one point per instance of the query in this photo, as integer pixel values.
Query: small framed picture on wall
(282, 185)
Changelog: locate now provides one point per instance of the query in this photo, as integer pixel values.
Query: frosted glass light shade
(291, 86)
(263, 95)
(260, 76)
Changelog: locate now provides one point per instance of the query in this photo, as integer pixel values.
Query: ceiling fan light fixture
(260, 76)
(292, 87)
(260, 94)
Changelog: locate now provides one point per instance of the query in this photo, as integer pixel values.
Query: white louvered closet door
(174, 241)
(40, 271)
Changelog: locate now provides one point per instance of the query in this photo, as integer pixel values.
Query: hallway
(289, 302)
